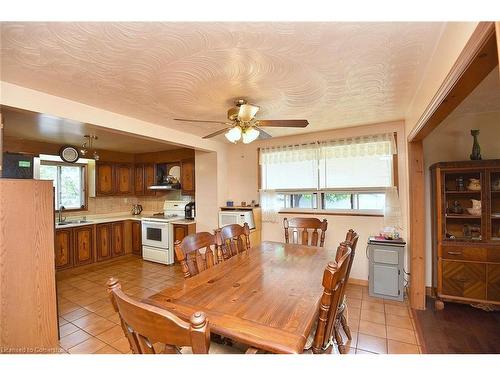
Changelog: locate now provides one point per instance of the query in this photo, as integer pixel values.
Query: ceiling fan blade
(247, 112)
(217, 133)
(209, 121)
(283, 123)
(263, 134)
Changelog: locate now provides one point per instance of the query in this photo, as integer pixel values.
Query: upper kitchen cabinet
(105, 179)
(144, 177)
(114, 178)
(124, 179)
(187, 177)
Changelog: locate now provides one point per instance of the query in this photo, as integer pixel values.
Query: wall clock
(69, 154)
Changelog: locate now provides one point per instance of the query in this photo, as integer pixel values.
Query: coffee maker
(189, 211)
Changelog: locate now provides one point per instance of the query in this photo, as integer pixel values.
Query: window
(69, 184)
(343, 175)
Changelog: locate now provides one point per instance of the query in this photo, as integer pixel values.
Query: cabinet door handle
(454, 252)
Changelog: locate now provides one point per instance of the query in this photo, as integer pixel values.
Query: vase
(476, 149)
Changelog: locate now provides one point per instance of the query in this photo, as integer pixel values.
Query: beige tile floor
(88, 323)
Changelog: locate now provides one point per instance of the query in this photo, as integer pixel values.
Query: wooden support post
(497, 32)
(417, 225)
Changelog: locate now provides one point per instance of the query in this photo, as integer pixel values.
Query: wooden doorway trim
(497, 32)
(417, 224)
(478, 58)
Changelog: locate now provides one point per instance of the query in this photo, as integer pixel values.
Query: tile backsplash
(107, 205)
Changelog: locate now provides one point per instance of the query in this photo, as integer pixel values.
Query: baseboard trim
(358, 282)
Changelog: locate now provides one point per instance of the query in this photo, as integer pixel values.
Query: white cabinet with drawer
(386, 262)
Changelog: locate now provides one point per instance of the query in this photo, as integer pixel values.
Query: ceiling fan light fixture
(250, 135)
(234, 134)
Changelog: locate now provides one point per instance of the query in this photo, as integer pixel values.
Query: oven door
(155, 234)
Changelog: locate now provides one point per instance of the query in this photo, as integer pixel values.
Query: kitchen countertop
(109, 218)
(183, 221)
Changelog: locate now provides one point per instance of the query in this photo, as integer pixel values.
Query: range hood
(165, 187)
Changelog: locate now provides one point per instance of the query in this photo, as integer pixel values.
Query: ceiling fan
(243, 125)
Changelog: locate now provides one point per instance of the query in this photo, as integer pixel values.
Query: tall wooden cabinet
(28, 312)
(466, 243)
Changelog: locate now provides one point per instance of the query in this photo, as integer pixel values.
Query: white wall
(243, 186)
(452, 141)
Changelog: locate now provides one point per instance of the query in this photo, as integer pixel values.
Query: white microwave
(236, 217)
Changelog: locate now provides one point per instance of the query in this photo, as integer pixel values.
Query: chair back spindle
(235, 239)
(198, 252)
(305, 231)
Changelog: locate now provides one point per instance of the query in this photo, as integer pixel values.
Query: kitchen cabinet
(466, 245)
(181, 230)
(117, 238)
(83, 245)
(124, 179)
(144, 176)
(63, 251)
(114, 178)
(103, 241)
(187, 177)
(105, 179)
(139, 184)
(136, 238)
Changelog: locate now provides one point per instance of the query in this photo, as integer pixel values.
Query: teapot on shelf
(136, 209)
(474, 184)
(476, 208)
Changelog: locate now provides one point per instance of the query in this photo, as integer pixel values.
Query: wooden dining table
(267, 297)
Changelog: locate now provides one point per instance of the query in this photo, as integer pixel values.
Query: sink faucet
(61, 218)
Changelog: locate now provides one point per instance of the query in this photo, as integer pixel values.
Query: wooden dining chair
(235, 239)
(146, 326)
(334, 278)
(198, 252)
(153, 330)
(300, 227)
(352, 240)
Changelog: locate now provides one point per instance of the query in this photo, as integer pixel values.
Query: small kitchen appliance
(189, 211)
(136, 209)
(236, 217)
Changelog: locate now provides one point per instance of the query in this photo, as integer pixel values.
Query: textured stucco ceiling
(332, 74)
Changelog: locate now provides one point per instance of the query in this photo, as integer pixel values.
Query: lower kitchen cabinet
(182, 230)
(118, 238)
(63, 249)
(83, 251)
(90, 243)
(103, 241)
(136, 238)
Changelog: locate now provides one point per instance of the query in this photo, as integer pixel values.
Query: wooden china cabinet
(466, 245)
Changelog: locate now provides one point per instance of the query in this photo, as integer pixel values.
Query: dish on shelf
(474, 211)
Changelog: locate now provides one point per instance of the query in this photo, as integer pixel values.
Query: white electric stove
(157, 232)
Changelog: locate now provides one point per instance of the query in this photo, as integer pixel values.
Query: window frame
(324, 211)
(84, 185)
(335, 212)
